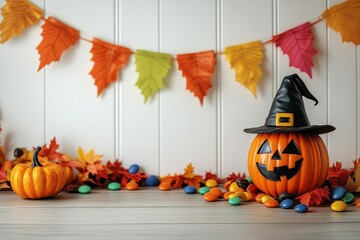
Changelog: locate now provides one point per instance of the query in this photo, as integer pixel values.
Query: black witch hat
(287, 112)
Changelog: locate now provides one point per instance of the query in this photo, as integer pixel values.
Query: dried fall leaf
(297, 43)
(197, 68)
(345, 19)
(18, 15)
(57, 37)
(51, 151)
(108, 60)
(246, 60)
(353, 182)
(316, 196)
(233, 176)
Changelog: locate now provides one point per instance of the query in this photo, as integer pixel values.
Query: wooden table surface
(149, 213)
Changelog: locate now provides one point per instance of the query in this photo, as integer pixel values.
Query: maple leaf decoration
(297, 44)
(197, 68)
(152, 68)
(337, 176)
(90, 164)
(233, 176)
(117, 173)
(51, 151)
(353, 181)
(188, 178)
(345, 19)
(108, 60)
(57, 37)
(316, 196)
(18, 15)
(246, 60)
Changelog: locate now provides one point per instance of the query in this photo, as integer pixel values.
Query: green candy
(203, 190)
(234, 201)
(348, 198)
(114, 186)
(84, 189)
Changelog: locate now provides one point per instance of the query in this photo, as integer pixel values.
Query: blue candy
(134, 168)
(338, 193)
(152, 181)
(286, 203)
(190, 189)
(301, 208)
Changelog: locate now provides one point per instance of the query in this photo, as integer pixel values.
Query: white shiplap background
(172, 129)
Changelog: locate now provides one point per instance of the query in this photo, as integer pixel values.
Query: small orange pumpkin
(37, 181)
(288, 162)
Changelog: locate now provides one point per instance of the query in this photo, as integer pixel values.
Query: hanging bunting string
(197, 68)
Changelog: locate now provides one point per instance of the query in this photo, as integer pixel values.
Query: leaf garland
(57, 37)
(152, 68)
(18, 15)
(345, 19)
(246, 60)
(108, 60)
(197, 68)
(297, 44)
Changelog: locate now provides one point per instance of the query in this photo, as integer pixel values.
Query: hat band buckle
(284, 120)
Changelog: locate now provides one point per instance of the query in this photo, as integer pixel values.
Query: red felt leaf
(57, 37)
(233, 176)
(108, 60)
(297, 44)
(337, 176)
(316, 196)
(197, 68)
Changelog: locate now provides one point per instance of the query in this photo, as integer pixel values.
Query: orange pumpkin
(288, 162)
(37, 181)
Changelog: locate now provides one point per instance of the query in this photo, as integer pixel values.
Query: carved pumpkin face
(288, 162)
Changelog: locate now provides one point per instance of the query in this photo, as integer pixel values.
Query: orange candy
(165, 186)
(132, 185)
(227, 185)
(259, 196)
(210, 197)
(226, 195)
(271, 203)
(217, 191)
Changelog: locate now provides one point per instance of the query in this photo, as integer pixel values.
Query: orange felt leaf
(197, 68)
(345, 19)
(316, 196)
(353, 181)
(108, 60)
(51, 151)
(18, 15)
(57, 37)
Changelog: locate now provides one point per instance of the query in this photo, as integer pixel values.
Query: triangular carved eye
(292, 148)
(265, 148)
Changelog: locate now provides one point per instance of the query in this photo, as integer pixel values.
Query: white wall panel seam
(117, 98)
(327, 77)
(159, 99)
(219, 137)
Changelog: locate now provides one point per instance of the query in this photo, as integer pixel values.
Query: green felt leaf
(152, 68)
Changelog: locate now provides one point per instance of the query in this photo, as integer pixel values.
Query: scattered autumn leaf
(316, 196)
(233, 176)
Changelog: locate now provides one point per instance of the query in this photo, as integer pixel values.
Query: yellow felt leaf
(345, 19)
(189, 171)
(18, 15)
(87, 158)
(246, 59)
(353, 184)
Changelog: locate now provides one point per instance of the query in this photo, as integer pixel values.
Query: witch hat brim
(287, 112)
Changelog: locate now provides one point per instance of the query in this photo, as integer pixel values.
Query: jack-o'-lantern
(288, 155)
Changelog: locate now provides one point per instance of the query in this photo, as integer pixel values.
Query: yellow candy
(210, 183)
(240, 195)
(248, 196)
(264, 198)
(338, 206)
(233, 187)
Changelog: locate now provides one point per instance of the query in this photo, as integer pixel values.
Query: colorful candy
(210, 197)
(235, 201)
(114, 186)
(338, 193)
(287, 203)
(301, 208)
(210, 183)
(133, 169)
(338, 206)
(190, 189)
(271, 202)
(132, 185)
(203, 190)
(84, 189)
(217, 191)
(152, 181)
(348, 198)
(165, 186)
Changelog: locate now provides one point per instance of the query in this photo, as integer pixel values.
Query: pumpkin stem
(35, 161)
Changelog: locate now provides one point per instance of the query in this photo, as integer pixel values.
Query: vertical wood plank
(139, 122)
(342, 98)
(21, 90)
(240, 109)
(74, 113)
(293, 13)
(188, 130)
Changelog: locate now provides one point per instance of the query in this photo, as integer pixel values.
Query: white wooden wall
(172, 129)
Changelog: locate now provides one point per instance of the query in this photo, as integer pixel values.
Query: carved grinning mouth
(279, 171)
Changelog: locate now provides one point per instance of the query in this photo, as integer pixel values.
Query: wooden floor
(152, 214)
